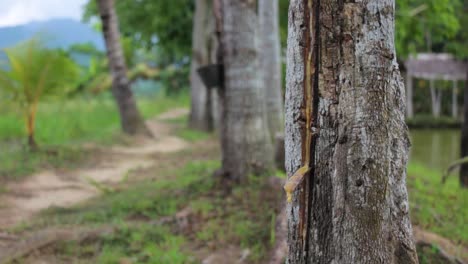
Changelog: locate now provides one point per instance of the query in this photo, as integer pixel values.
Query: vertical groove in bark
(270, 64)
(131, 121)
(356, 197)
(203, 100)
(246, 144)
(464, 137)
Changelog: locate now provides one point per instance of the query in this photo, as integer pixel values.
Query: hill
(58, 33)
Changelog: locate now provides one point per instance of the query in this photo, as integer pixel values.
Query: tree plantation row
(312, 87)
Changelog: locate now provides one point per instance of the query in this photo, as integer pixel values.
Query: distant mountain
(58, 33)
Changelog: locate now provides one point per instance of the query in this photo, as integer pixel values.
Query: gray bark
(246, 144)
(270, 64)
(204, 105)
(131, 120)
(345, 111)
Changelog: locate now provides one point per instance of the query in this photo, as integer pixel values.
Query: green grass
(143, 242)
(149, 200)
(191, 135)
(81, 119)
(136, 244)
(188, 134)
(62, 126)
(17, 161)
(435, 207)
(243, 219)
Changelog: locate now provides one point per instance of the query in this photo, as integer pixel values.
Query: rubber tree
(131, 120)
(203, 111)
(270, 64)
(346, 138)
(246, 144)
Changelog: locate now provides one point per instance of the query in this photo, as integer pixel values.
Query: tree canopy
(421, 25)
(164, 24)
(428, 26)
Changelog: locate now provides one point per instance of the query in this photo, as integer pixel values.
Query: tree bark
(346, 138)
(31, 127)
(131, 121)
(464, 137)
(270, 64)
(246, 143)
(204, 44)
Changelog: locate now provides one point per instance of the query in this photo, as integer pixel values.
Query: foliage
(33, 73)
(166, 24)
(85, 48)
(283, 20)
(459, 45)
(423, 26)
(175, 79)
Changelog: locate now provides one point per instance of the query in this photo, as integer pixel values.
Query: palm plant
(33, 73)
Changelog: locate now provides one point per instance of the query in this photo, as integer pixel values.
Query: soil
(61, 188)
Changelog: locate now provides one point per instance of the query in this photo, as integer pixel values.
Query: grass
(435, 207)
(192, 135)
(140, 243)
(217, 220)
(245, 218)
(62, 126)
(188, 134)
(16, 161)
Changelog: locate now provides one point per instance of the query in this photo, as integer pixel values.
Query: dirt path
(66, 188)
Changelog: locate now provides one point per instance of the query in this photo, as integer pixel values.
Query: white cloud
(16, 12)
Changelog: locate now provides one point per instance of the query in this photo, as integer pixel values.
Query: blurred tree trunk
(345, 129)
(203, 113)
(131, 120)
(270, 64)
(464, 137)
(246, 145)
(30, 126)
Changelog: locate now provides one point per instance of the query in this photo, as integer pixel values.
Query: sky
(17, 12)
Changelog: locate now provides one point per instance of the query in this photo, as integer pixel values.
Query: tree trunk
(131, 121)
(31, 127)
(464, 137)
(246, 145)
(270, 64)
(203, 100)
(346, 138)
